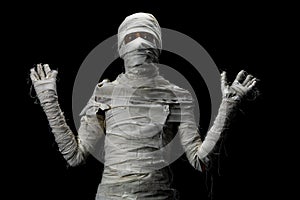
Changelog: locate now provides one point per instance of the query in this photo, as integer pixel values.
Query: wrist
(230, 101)
(42, 86)
(228, 106)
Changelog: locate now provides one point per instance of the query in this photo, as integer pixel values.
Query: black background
(236, 37)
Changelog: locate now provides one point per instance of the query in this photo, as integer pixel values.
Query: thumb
(224, 82)
(33, 75)
(53, 74)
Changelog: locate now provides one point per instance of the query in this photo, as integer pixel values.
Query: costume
(134, 117)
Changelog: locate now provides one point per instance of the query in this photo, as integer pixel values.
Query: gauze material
(140, 55)
(138, 22)
(139, 120)
(132, 162)
(73, 148)
(141, 117)
(140, 112)
(140, 59)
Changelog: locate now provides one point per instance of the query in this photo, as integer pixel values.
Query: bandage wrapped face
(139, 43)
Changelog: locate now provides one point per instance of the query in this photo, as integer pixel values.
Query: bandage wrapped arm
(73, 148)
(196, 150)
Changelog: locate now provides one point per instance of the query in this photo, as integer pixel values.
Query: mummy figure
(136, 116)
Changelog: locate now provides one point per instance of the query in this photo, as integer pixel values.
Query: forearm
(71, 149)
(226, 113)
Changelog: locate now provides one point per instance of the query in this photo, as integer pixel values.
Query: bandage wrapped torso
(141, 117)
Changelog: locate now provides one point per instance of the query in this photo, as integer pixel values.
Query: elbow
(200, 165)
(74, 163)
(76, 160)
(196, 163)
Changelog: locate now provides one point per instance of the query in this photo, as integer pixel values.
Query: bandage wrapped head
(139, 40)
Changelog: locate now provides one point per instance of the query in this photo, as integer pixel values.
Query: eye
(147, 36)
(128, 38)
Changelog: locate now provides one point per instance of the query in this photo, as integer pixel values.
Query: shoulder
(105, 81)
(181, 93)
(105, 87)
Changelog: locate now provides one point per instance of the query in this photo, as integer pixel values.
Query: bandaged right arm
(74, 149)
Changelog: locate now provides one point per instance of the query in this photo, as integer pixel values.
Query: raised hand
(43, 79)
(242, 86)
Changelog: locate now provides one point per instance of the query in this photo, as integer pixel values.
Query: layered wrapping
(128, 122)
(138, 22)
(138, 117)
(140, 54)
(141, 117)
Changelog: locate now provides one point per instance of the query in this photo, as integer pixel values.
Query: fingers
(40, 71)
(240, 76)
(248, 78)
(47, 70)
(251, 83)
(224, 82)
(33, 75)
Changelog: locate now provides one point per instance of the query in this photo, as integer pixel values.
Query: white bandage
(138, 22)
